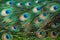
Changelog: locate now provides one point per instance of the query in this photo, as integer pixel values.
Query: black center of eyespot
(56, 23)
(8, 11)
(10, 2)
(21, 3)
(7, 36)
(26, 15)
(41, 33)
(15, 27)
(54, 33)
(38, 8)
(55, 7)
(45, 14)
(30, 3)
(40, 20)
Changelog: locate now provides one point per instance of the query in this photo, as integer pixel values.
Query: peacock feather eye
(41, 34)
(45, 14)
(26, 15)
(20, 4)
(37, 1)
(54, 34)
(30, 3)
(55, 7)
(38, 8)
(56, 23)
(9, 3)
(7, 36)
(7, 11)
(40, 20)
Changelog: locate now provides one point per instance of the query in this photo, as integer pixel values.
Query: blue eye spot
(38, 8)
(56, 23)
(7, 11)
(21, 3)
(41, 32)
(40, 20)
(15, 27)
(10, 2)
(55, 7)
(30, 3)
(7, 36)
(45, 14)
(54, 33)
(26, 15)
